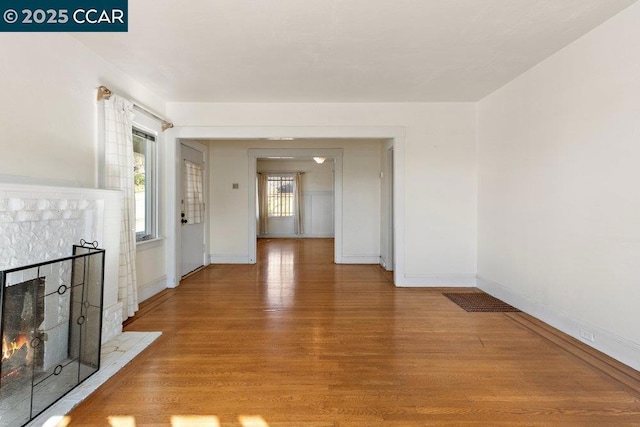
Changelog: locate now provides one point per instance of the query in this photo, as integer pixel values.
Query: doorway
(192, 209)
(240, 253)
(295, 197)
(336, 156)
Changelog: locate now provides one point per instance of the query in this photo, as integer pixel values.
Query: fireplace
(27, 299)
(50, 324)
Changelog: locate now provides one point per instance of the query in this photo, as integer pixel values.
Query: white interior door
(192, 209)
(390, 222)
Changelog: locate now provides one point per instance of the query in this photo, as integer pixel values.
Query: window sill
(144, 245)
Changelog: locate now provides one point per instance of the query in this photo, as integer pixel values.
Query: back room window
(280, 196)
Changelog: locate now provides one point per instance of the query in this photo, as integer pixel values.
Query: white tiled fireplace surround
(41, 223)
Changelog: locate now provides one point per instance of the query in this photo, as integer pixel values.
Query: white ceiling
(341, 50)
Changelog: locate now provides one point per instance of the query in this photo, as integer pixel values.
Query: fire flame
(9, 348)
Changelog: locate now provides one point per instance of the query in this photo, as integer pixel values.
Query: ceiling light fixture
(319, 160)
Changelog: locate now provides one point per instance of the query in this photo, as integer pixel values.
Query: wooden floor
(298, 341)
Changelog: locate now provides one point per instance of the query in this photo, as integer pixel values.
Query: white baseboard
(385, 265)
(229, 259)
(295, 236)
(148, 290)
(359, 259)
(454, 281)
(621, 349)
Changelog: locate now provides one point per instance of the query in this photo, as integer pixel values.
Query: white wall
(438, 167)
(151, 269)
(48, 131)
(151, 256)
(49, 84)
(559, 212)
(317, 203)
(361, 201)
(229, 163)
(228, 207)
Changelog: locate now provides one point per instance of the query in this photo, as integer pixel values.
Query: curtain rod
(105, 93)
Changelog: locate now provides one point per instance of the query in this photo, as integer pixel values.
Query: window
(280, 195)
(144, 182)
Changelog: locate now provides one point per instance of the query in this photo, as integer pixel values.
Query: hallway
(299, 341)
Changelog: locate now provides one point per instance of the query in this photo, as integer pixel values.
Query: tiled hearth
(115, 355)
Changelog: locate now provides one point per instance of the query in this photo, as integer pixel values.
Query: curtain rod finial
(166, 126)
(104, 93)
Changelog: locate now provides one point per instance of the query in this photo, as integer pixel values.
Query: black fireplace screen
(51, 327)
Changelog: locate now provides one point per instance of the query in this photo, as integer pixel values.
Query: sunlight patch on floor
(117, 421)
(194, 421)
(57, 421)
(176, 421)
(252, 421)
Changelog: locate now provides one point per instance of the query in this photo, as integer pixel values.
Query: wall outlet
(587, 335)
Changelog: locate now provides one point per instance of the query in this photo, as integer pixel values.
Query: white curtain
(298, 224)
(193, 195)
(263, 203)
(118, 114)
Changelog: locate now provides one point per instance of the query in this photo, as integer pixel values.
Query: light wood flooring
(298, 341)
